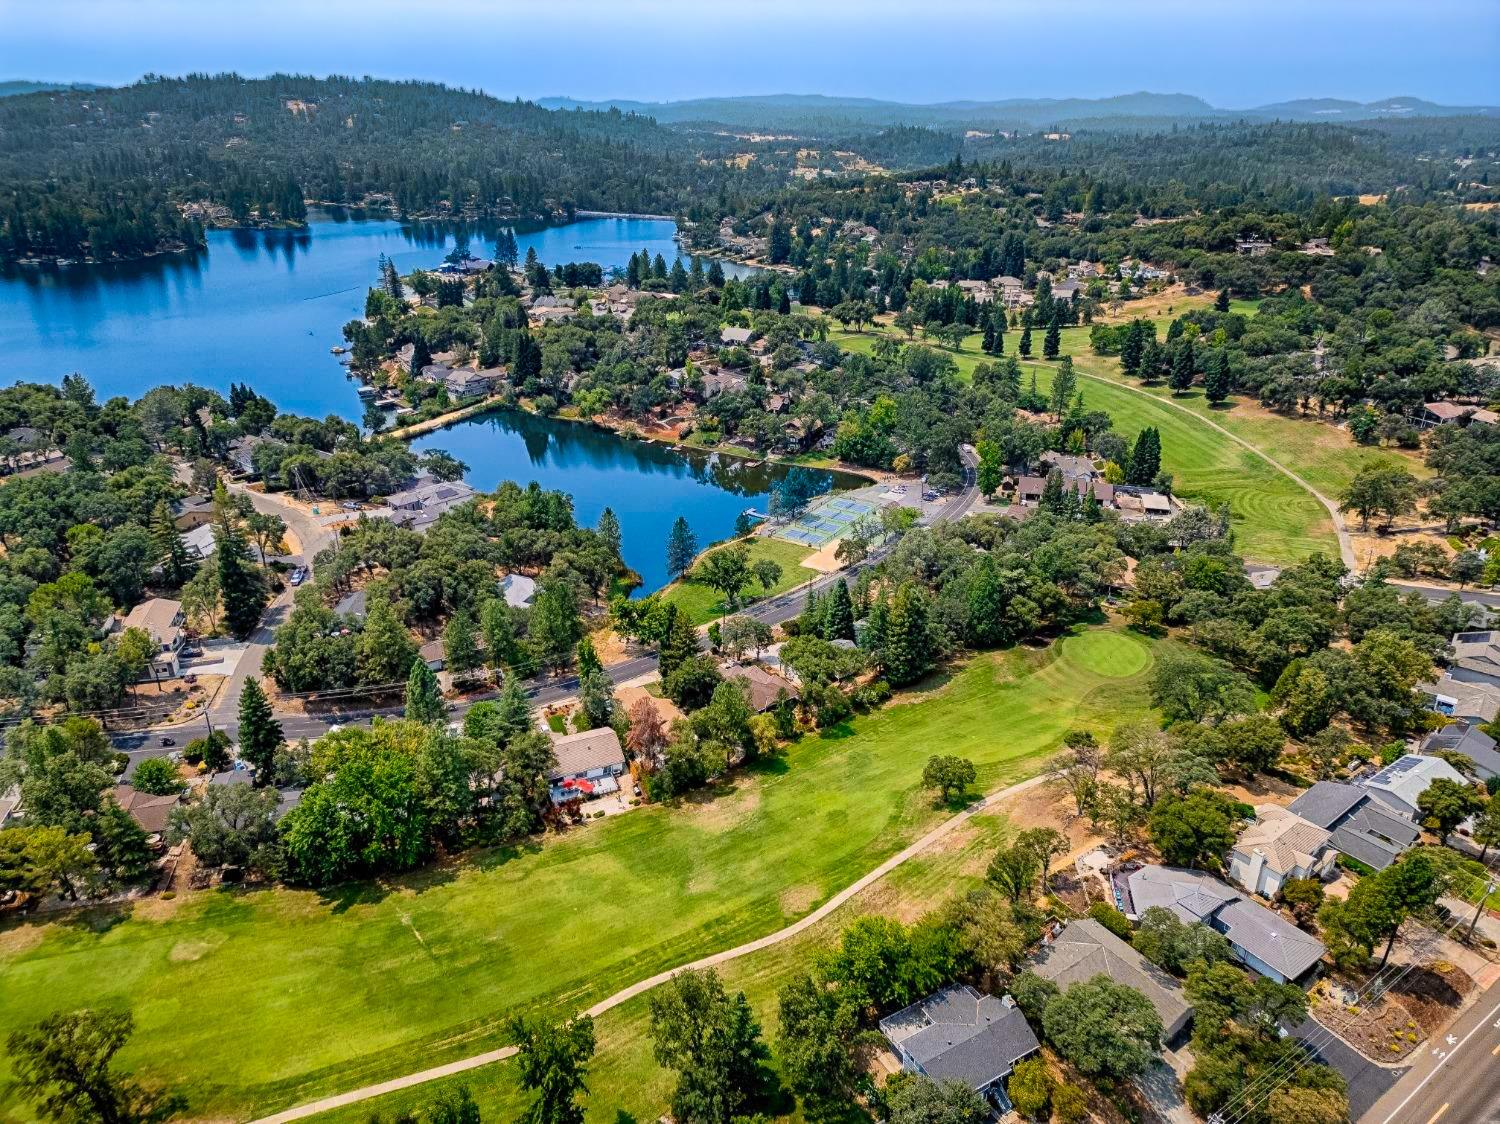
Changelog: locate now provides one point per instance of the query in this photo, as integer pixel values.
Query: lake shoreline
(474, 410)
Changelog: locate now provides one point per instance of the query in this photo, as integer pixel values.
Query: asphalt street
(150, 742)
(1456, 1079)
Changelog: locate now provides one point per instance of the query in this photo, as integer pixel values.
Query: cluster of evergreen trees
(101, 172)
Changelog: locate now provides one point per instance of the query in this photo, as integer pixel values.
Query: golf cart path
(354, 1096)
(1346, 544)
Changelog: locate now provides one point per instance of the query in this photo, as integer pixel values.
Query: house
(241, 455)
(464, 383)
(1403, 780)
(151, 813)
(1068, 464)
(1362, 826)
(1465, 737)
(518, 590)
(1278, 846)
(1085, 949)
(10, 802)
(420, 506)
(1262, 940)
(553, 313)
(1066, 290)
(735, 337)
(721, 382)
(588, 764)
(1142, 503)
(161, 619)
(353, 604)
(1253, 247)
(466, 266)
(433, 654)
(978, 290)
(1317, 247)
(960, 1034)
(1455, 698)
(192, 512)
(764, 688)
(1444, 413)
(200, 543)
(1476, 658)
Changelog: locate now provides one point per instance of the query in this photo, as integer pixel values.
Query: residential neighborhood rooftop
(1085, 949)
(959, 1033)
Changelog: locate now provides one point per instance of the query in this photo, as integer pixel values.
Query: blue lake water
(264, 307)
(258, 306)
(647, 485)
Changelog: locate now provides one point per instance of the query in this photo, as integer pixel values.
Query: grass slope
(624, 1080)
(313, 993)
(1275, 520)
(703, 604)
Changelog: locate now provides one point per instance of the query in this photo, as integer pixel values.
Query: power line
(1266, 1084)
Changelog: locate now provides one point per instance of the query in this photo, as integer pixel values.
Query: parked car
(299, 575)
(169, 741)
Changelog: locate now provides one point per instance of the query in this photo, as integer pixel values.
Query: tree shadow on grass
(95, 920)
(844, 729)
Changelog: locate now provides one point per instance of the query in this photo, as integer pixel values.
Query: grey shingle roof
(1326, 802)
(592, 749)
(1472, 742)
(1363, 828)
(1196, 896)
(958, 1033)
(1085, 949)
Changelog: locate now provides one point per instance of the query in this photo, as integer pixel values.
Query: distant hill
(821, 113)
(1336, 109)
(23, 86)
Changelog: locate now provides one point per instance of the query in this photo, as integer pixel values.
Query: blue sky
(1232, 52)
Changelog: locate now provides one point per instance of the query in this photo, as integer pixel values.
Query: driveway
(1368, 1082)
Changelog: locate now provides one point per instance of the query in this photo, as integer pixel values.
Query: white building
(1279, 846)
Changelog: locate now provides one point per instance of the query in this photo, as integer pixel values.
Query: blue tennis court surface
(824, 521)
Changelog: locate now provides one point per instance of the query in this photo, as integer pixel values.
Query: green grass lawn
(703, 604)
(253, 1000)
(1274, 519)
(624, 1079)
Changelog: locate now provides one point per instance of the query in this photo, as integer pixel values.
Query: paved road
(1368, 1082)
(314, 537)
(542, 691)
(624, 995)
(1490, 599)
(1455, 1079)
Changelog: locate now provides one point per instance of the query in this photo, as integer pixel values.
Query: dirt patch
(799, 899)
(188, 951)
(610, 646)
(666, 708)
(721, 812)
(22, 938)
(1394, 1026)
(824, 561)
(1263, 790)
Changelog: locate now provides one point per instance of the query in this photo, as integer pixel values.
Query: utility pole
(1489, 888)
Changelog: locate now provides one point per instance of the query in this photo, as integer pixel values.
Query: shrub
(158, 776)
(1111, 918)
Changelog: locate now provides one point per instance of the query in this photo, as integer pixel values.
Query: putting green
(1110, 655)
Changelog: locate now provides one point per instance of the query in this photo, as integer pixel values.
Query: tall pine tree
(240, 582)
(260, 733)
(424, 701)
(171, 551)
(838, 613)
(682, 547)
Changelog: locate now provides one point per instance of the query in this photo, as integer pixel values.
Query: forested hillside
(103, 173)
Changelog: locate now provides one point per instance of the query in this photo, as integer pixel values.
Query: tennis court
(827, 519)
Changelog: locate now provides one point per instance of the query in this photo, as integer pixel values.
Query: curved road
(1346, 544)
(624, 995)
